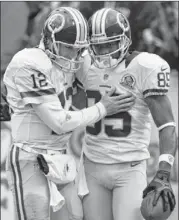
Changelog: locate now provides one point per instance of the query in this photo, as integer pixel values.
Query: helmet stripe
(75, 17)
(103, 20)
(98, 21)
(94, 23)
(83, 26)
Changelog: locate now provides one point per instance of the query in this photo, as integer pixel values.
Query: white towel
(62, 168)
(81, 179)
(56, 199)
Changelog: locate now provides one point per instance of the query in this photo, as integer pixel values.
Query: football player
(116, 147)
(39, 89)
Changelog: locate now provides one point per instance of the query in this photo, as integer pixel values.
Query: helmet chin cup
(105, 62)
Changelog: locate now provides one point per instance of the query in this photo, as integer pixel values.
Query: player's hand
(115, 103)
(162, 187)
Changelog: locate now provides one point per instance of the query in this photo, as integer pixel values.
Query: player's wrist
(166, 162)
(164, 166)
(169, 158)
(101, 109)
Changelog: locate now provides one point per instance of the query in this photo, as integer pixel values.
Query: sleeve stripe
(41, 92)
(155, 91)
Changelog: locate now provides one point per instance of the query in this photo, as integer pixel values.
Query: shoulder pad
(131, 56)
(150, 60)
(33, 57)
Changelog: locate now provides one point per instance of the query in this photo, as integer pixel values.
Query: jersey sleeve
(34, 86)
(156, 78)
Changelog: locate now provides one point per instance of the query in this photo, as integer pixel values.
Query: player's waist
(35, 149)
(118, 154)
(118, 166)
(102, 143)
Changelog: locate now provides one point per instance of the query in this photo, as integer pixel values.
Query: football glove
(162, 187)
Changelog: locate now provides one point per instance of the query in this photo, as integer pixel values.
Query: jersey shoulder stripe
(154, 92)
(37, 93)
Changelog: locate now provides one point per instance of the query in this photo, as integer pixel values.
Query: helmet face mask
(109, 41)
(66, 56)
(113, 52)
(65, 33)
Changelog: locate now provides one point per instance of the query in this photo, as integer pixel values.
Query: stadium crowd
(154, 25)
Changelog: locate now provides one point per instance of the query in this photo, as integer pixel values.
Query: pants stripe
(14, 159)
(15, 184)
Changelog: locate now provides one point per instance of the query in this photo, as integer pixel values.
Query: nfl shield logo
(106, 76)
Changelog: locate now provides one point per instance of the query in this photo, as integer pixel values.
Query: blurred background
(154, 27)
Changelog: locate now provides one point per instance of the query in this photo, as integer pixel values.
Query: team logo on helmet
(122, 22)
(128, 81)
(56, 23)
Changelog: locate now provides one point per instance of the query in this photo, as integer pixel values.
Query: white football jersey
(124, 136)
(31, 78)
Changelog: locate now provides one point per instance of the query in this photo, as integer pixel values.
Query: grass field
(8, 214)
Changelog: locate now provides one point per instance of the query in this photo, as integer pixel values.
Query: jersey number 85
(109, 122)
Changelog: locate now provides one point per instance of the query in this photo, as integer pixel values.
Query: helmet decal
(56, 23)
(123, 23)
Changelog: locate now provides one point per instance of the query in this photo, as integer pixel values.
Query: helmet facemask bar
(107, 60)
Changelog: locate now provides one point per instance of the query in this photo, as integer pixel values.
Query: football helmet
(65, 26)
(108, 27)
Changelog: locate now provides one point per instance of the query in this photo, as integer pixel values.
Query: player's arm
(36, 89)
(155, 88)
(62, 121)
(161, 111)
